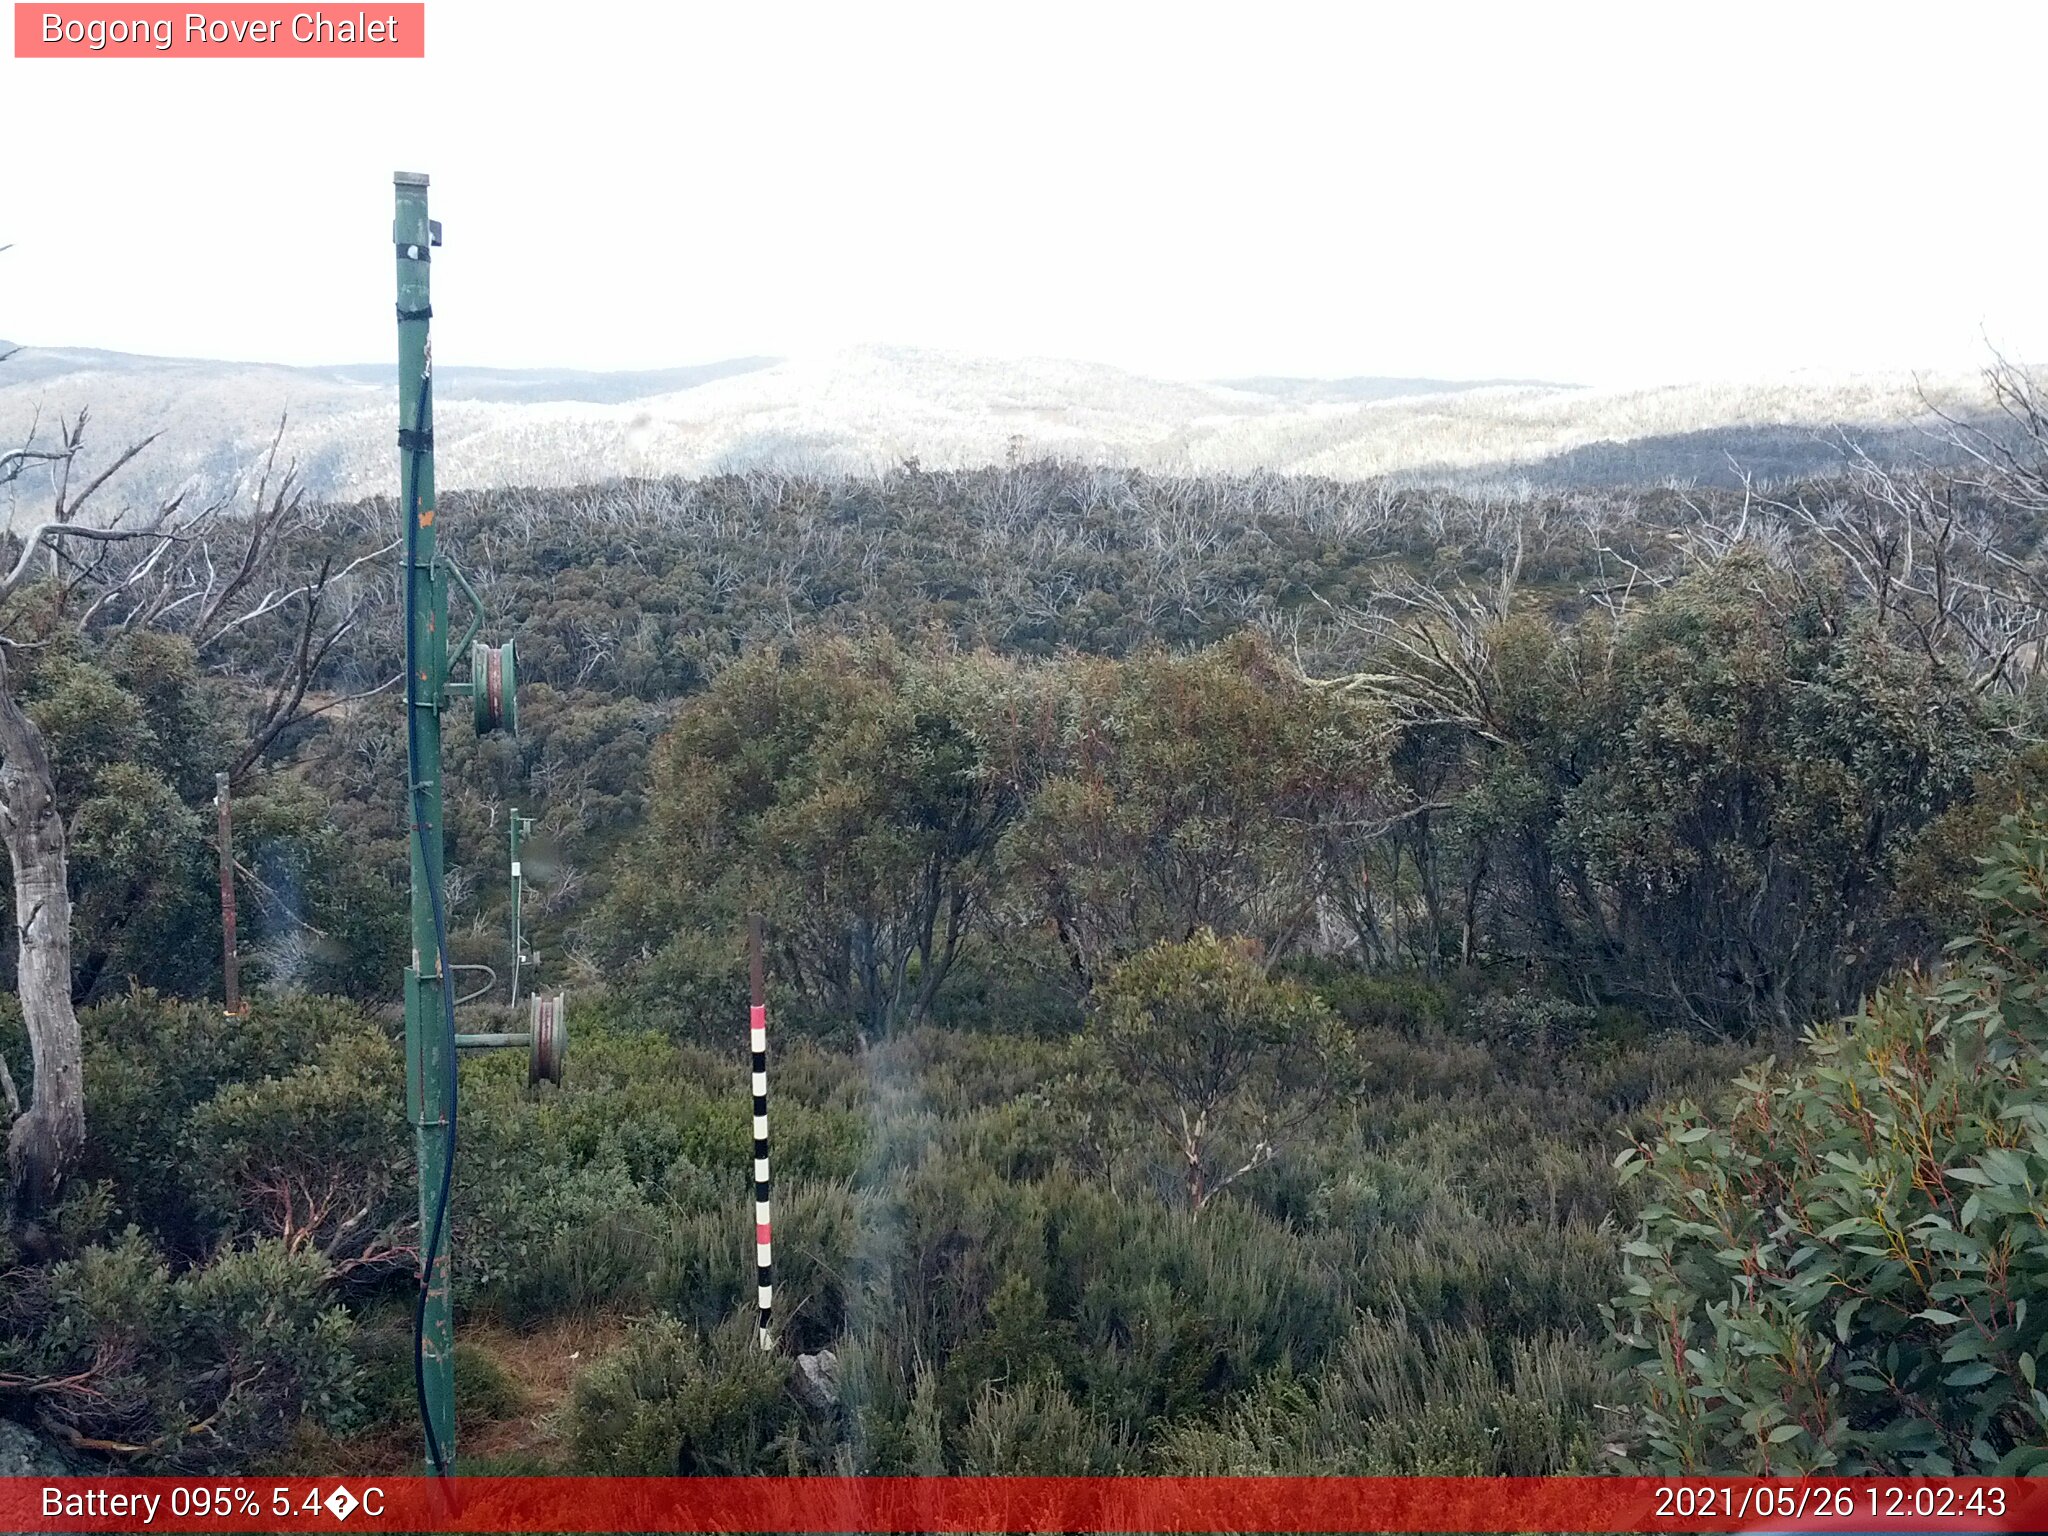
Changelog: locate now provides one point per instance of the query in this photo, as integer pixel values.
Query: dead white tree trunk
(46, 1138)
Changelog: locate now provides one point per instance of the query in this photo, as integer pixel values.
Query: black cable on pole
(416, 447)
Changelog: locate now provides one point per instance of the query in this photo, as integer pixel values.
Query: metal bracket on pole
(476, 619)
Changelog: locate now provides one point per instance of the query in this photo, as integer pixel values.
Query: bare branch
(63, 513)
(51, 532)
(272, 518)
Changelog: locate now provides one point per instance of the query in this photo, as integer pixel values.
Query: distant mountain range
(870, 408)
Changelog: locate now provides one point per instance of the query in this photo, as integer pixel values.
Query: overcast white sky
(1605, 194)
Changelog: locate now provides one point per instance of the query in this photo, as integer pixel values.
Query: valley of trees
(1269, 975)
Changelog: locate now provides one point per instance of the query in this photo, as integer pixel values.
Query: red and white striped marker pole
(757, 1043)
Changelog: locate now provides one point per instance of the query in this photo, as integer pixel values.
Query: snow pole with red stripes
(757, 1044)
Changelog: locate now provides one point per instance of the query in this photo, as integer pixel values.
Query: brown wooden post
(229, 960)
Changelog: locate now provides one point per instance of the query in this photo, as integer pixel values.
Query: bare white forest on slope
(868, 409)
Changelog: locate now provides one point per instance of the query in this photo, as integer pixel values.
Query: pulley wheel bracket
(550, 1038)
(494, 688)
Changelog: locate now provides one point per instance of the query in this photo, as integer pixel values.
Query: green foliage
(1544, 1026)
(265, 1313)
(1002, 1290)
(485, 1392)
(1226, 1063)
(1703, 812)
(1837, 1273)
(208, 1366)
(1020, 1345)
(317, 915)
(308, 1156)
(1405, 1400)
(87, 718)
(1035, 1428)
(851, 795)
(1004, 1293)
(182, 711)
(618, 1189)
(672, 1401)
(136, 734)
(1182, 792)
(988, 748)
(137, 856)
(1405, 1003)
(209, 1127)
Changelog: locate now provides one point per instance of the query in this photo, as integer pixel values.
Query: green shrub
(152, 1064)
(208, 1367)
(485, 1392)
(265, 1315)
(1020, 1345)
(631, 1186)
(1405, 1004)
(1531, 1023)
(1400, 1398)
(671, 1400)
(315, 1156)
(1836, 1273)
(1034, 1428)
(550, 1238)
(1225, 1064)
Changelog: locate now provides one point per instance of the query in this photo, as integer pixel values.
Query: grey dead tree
(1932, 546)
(1431, 661)
(1710, 535)
(2008, 461)
(2006, 465)
(187, 572)
(45, 1137)
(1431, 649)
(1441, 633)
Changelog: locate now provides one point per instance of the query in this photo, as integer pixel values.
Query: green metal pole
(427, 1063)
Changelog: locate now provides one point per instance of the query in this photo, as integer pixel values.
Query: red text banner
(1023, 1504)
(227, 31)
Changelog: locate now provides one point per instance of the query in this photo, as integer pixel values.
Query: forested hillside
(861, 410)
(1252, 958)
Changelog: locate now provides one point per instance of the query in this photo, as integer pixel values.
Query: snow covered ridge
(869, 409)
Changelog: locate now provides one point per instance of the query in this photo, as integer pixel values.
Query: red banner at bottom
(1024, 1504)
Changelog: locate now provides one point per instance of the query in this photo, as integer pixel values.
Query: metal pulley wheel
(550, 1030)
(494, 686)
